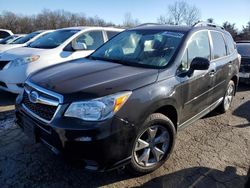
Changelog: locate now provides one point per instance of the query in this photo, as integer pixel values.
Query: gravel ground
(213, 152)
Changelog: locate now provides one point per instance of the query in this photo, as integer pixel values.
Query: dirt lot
(213, 152)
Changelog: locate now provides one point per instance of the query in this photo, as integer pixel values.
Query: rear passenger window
(219, 46)
(198, 47)
(111, 34)
(230, 44)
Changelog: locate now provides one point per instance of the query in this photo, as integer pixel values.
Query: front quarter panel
(149, 99)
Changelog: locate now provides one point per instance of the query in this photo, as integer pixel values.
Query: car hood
(89, 78)
(5, 47)
(23, 52)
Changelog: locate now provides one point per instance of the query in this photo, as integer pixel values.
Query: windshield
(149, 48)
(26, 38)
(53, 40)
(8, 39)
(244, 49)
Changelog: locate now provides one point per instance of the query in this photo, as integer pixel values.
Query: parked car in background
(24, 40)
(123, 105)
(56, 47)
(11, 38)
(243, 48)
(5, 33)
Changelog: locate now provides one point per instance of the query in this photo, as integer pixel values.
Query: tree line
(178, 13)
(47, 19)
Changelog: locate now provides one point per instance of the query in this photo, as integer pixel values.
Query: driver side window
(92, 39)
(198, 46)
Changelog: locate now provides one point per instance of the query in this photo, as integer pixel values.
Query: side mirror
(79, 45)
(198, 63)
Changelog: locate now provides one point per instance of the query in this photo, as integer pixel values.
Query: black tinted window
(244, 49)
(111, 34)
(4, 34)
(219, 46)
(230, 44)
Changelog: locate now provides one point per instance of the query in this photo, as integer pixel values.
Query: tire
(156, 138)
(228, 97)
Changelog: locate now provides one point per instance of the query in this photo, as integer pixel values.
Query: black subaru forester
(123, 105)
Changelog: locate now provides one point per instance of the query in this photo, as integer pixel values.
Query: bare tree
(181, 13)
(245, 34)
(47, 19)
(165, 20)
(231, 29)
(192, 15)
(178, 12)
(129, 21)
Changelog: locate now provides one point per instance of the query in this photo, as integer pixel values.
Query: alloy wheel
(151, 145)
(229, 96)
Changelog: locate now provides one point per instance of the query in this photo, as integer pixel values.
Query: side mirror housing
(79, 45)
(198, 63)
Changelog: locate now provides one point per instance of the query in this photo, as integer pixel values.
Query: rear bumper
(105, 146)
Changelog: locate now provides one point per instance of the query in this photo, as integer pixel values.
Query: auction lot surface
(213, 152)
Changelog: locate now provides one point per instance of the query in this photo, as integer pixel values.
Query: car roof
(178, 28)
(163, 27)
(89, 27)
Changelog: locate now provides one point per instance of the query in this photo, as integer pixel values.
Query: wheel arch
(167, 107)
(235, 79)
(171, 112)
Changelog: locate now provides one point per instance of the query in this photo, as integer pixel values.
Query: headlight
(98, 109)
(21, 61)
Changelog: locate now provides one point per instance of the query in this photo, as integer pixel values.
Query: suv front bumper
(103, 146)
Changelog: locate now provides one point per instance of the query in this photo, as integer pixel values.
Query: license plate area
(30, 130)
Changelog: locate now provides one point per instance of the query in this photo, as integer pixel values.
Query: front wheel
(228, 97)
(152, 145)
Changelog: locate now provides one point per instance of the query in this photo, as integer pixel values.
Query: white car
(5, 33)
(24, 41)
(56, 47)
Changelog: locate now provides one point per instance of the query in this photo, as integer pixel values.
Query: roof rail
(201, 23)
(147, 24)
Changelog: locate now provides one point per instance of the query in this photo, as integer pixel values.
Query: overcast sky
(234, 11)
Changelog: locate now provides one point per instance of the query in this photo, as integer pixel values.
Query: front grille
(3, 63)
(43, 111)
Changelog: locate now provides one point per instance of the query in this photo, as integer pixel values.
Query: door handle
(212, 73)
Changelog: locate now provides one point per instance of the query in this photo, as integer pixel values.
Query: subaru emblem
(33, 97)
